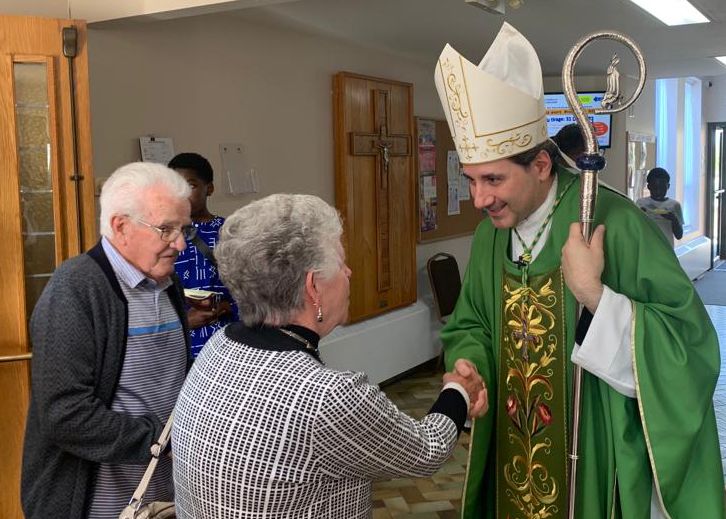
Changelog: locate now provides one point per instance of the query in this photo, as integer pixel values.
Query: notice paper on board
(452, 178)
(156, 149)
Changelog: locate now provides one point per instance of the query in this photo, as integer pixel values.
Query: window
(666, 127)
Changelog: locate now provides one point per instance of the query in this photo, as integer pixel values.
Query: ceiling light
(672, 12)
(722, 59)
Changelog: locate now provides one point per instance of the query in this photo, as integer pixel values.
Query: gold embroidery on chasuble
(531, 426)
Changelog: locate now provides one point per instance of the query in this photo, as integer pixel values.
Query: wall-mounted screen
(559, 115)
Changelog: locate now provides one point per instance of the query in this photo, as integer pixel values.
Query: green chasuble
(666, 437)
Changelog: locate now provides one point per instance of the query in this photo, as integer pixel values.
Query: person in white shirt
(664, 211)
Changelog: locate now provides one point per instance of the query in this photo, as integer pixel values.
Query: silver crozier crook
(590, 163)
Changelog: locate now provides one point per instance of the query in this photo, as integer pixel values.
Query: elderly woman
(262, 427)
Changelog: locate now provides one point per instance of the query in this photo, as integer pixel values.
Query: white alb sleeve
(606, 350)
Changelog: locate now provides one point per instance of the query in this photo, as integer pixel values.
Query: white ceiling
(419, 29)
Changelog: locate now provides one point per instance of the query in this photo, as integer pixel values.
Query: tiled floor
(439, 497)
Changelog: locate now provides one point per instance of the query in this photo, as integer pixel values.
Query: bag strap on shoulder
(157, 450)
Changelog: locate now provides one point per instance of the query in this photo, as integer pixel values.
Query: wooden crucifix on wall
(375, 190)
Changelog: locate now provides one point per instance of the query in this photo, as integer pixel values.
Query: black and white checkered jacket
(269, 432)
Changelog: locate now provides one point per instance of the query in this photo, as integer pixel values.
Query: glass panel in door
(33, 119)
(718, 190)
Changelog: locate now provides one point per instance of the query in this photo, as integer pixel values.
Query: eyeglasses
(169, 234)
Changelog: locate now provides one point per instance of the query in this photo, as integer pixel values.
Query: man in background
(196, 266)
(110, 355)
(570, 140)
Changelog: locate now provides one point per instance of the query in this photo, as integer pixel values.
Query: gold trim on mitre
(489, 119)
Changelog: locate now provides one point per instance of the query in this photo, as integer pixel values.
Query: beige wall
(46, 8)
(218, 78)
(213, 79)
(99, 10)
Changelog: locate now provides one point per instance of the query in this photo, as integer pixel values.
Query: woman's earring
(320, 314)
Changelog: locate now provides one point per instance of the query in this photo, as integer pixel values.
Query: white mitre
(495, 110)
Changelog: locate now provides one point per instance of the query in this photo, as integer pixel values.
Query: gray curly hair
(266, 249)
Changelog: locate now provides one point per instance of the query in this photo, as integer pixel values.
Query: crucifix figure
(383, 147)
(526, 338)
(386, 149)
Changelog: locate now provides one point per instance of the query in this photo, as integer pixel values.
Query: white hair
(267, 248)
(123, 192)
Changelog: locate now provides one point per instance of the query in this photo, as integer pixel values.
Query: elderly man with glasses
(110, 354)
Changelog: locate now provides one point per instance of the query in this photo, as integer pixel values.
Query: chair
(445, 283)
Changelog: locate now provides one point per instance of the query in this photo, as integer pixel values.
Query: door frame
(709, 188)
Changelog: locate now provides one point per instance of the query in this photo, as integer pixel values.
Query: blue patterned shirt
(196, 271)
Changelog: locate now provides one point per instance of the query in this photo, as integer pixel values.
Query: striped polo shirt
(153, 372)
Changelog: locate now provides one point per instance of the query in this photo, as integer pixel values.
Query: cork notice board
(433, 144)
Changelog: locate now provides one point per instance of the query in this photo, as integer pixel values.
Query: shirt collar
(126, 272)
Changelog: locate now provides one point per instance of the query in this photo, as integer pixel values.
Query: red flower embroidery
(545, 415)
(511, 405)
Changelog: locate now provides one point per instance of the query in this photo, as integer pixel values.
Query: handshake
(465, 374)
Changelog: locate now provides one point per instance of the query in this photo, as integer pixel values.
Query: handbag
(155, 509)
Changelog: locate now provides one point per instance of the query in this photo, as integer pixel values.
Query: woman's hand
(466, 375)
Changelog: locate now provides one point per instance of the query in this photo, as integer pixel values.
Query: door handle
(16, 358)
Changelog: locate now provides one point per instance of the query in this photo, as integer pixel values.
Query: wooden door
(46, 199)
(375, 190)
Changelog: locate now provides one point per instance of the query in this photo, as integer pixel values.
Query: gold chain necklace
(302, 340)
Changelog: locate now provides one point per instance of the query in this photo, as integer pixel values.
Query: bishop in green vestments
(649, 447)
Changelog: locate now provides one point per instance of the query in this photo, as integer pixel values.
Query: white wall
(714, 99)
(641, 117)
